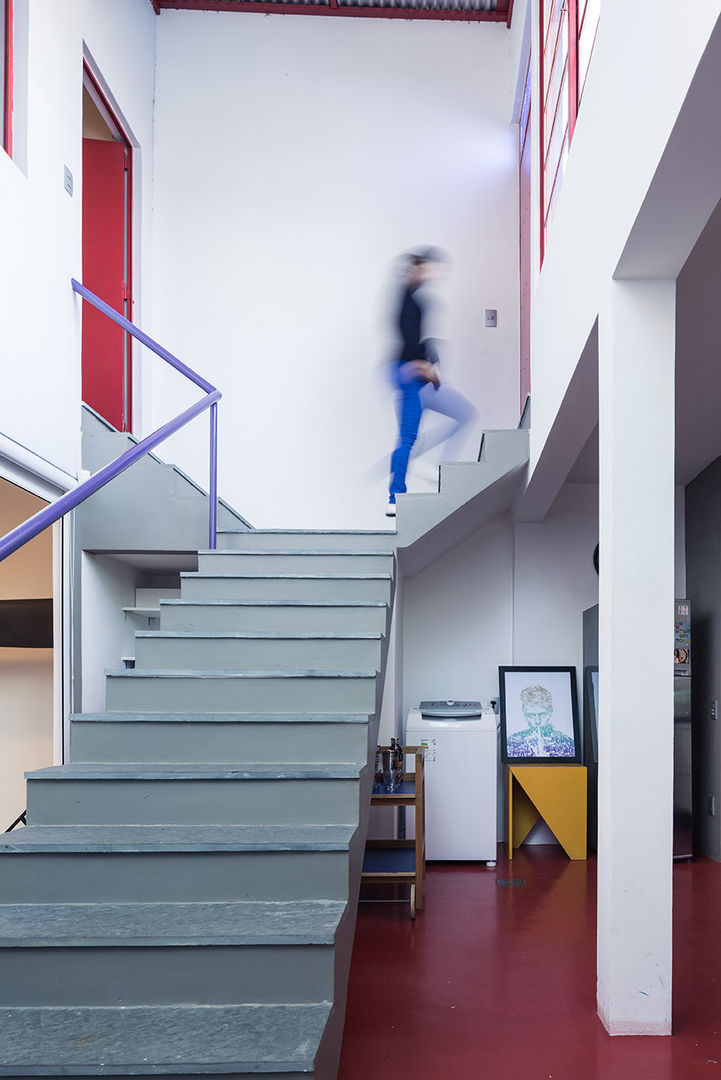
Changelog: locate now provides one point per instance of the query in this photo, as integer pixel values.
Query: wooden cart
(393, 861)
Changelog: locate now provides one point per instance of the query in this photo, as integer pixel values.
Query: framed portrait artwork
(539, 715)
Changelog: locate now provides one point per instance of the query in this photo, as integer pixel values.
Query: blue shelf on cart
(391, 861)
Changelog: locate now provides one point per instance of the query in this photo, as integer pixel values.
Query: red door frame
(90, 80)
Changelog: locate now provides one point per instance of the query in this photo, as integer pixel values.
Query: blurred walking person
(416, 373)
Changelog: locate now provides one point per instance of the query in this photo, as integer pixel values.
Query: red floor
(498, 982)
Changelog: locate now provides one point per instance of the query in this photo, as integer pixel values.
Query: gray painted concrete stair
(248, 737)
(284, 561)
(234, 539)
(249, 585)
(228, 691)
(218, 650)
(162, 794)
(322, 616)
(103, 521)
(215, 814)
(470, 495)
(149, 863)
(278, 1042)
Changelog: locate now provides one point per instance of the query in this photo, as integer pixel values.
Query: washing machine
(460, 741)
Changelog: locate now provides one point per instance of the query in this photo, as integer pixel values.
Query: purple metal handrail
(52, 513)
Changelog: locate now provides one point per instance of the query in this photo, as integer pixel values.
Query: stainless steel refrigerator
(682, 812)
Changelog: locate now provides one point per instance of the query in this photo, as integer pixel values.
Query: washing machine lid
(450, 709)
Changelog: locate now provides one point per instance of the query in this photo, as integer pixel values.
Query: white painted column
(636, 593)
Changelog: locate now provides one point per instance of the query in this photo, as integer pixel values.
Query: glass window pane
(555, 185)
(586, 39)
(524, 119)
(556, 54)
(556, 117)
(558, 138)
(552, 12)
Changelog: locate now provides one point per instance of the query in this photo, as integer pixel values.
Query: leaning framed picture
(539, 715)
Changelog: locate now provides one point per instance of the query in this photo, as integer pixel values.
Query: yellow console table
(554, 793)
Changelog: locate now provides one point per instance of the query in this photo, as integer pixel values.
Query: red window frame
(568, 87)
(525, 248)
(7, 76)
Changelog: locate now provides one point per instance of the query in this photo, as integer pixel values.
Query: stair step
(68, 864)
(325, 539)
(172, 794)
(279, 615)
(304, 560)
(168, 953)
(210, 1040)
(95, 925)
(215, 650)
(251, 691)
(288, 586)
(233, 737)
(144, 839)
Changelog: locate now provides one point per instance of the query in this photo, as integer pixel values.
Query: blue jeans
(413, 397)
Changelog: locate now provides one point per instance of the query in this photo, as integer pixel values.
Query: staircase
(470, 494)
(182, 902)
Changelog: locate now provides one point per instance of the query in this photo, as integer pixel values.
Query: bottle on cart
(378, 774)
(397, 752)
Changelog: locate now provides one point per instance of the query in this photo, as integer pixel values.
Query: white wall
(107, 586)
(295, 158)
(555, 581)
(41, 224)
(26, 675)
(457, 620)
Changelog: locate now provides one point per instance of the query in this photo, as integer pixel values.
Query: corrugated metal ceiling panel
(469, 10)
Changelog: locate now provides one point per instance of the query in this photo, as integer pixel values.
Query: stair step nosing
(273, 575)
(306, 532)
(181, 771)
(167, 839)
(182, 673)
(219, 718)
(148, 924)
(210, 602)
(177, 940)
(259, 635)
(330, 552)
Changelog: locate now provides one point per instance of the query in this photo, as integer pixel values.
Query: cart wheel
(413, 901)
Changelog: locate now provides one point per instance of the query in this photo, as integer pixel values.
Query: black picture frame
(527, 695)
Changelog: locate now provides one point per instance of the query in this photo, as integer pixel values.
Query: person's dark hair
(423, 255)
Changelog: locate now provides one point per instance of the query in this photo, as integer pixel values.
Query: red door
(105, 351)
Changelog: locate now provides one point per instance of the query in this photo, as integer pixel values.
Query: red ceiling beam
(156, 6)
(510, 14)
(269, 7)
